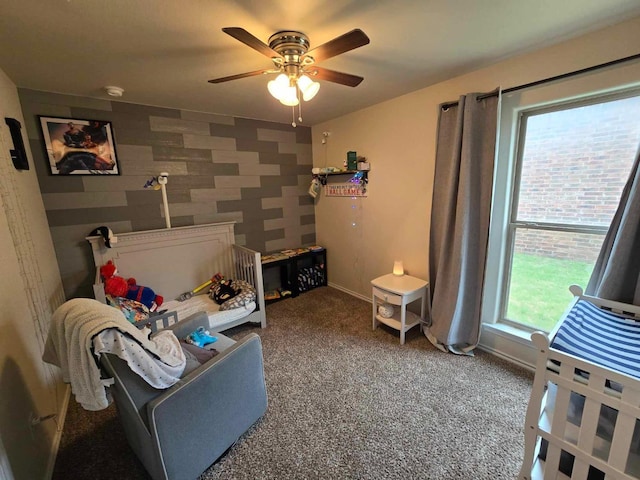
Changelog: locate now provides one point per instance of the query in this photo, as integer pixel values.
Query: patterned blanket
(82, 329)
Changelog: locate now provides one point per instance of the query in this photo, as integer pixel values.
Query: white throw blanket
(70, 345)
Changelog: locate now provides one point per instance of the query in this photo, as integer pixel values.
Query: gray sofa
(179, 432)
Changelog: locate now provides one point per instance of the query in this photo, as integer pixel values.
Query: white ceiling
(162, 52)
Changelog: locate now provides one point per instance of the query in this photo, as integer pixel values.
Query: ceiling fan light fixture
(278, 87)
(308, 87)
(289, 50)
(290, 97)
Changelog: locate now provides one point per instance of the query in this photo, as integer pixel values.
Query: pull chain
(293, 110)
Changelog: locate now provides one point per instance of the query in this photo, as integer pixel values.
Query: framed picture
(79, 146)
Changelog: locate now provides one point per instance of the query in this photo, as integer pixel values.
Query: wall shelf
(364, 175)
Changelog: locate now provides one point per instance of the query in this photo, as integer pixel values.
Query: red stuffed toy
(117, 286)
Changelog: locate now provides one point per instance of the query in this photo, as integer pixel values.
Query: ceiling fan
(296, 64)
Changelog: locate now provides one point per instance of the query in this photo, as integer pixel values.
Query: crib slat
(552, 462)
(563, 395)
(580, 469)
(623, 432)
(556, 408)
(590, 415)
(244, 265)
(586, 436)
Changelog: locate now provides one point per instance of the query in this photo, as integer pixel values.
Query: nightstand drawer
(388, 297)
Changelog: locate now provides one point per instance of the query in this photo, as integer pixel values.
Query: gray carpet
(346, 402)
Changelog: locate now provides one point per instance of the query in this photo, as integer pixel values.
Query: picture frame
(77, 146)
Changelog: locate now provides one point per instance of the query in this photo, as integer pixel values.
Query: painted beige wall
(30, 289)
(398, 138)
(392, 221)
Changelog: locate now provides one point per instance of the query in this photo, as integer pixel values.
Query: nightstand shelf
(395, 321)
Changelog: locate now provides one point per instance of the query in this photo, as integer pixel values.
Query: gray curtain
(460, 215)
(616, 275)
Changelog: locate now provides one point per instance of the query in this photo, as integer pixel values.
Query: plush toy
(117, 286)
(144, 295)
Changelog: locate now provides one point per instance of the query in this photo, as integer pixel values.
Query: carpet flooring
(345, 402)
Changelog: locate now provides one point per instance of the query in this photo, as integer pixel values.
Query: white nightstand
(401, 291)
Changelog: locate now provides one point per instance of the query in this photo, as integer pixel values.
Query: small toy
(152, 183)
(144, 295)
(117, 286)
(187, 295)
(223, 291)
(107, 235)
(200, 338)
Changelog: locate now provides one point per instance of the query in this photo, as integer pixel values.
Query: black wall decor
(19, 154)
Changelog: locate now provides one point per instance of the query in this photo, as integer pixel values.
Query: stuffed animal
(144, 295)
(117, 286)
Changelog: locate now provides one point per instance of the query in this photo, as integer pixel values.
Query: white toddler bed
(583, 416)
(176, 260)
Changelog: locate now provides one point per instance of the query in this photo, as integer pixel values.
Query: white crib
(176, 260)
(585, 413)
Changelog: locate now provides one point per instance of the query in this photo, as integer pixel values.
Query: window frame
(515, 108)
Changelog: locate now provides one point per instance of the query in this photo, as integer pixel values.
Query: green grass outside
(539, 292)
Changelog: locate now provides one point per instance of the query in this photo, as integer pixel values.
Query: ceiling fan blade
(245, 37)
(335, 77)
(350, 40)
(240, 75)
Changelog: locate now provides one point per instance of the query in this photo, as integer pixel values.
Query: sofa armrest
(218, 402)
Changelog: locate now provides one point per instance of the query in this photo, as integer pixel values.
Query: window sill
(509, 342)
(508, 331)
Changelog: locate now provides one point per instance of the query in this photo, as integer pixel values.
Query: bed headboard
(169, 261)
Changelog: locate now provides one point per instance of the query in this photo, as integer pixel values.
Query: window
(561, 166)
(570, 173)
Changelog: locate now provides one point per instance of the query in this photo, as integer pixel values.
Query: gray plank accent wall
(220, 168)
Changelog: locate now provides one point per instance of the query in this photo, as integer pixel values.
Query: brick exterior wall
(220, 168)
(576, 163)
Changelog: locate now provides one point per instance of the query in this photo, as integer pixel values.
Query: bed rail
(248, 267)
(158, 322)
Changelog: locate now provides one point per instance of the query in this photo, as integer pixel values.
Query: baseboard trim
(62, 415)
(492, 351)
(350, 292)
(506, 357)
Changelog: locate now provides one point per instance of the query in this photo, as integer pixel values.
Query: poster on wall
(345, 190)
(79, 146)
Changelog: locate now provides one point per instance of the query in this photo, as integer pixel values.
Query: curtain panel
(616, 274)
(460, 214)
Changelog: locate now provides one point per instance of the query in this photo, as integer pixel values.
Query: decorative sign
(349, 189)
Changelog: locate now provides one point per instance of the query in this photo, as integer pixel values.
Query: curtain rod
(550, 79)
